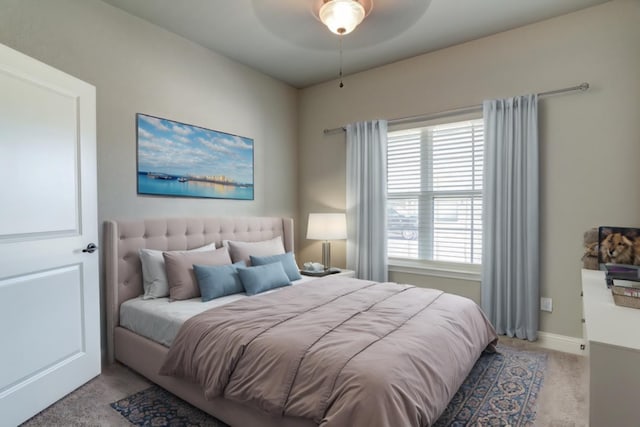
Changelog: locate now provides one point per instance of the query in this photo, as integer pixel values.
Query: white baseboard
(562, 343)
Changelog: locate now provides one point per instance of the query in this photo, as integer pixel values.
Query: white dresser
(613, 335)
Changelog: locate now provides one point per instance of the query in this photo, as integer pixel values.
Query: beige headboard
(122, 239)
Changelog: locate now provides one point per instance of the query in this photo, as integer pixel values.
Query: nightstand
(343, 273)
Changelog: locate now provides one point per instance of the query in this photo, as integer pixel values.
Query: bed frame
(123, 281)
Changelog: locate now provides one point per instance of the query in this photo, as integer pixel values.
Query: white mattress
(159, 319)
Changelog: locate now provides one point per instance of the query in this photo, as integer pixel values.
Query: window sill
(449, 270)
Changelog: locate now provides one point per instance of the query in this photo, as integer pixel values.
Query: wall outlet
(546, 304)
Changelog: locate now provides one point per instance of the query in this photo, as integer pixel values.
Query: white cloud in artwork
(155, 122)
(144, 134)
(213, 146)
(235, 142)
(181, 130)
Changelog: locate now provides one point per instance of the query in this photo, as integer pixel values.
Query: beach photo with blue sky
(177, 159)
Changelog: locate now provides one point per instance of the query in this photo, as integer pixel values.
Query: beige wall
(138, 67)
(590, 142)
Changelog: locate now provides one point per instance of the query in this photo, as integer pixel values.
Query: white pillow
(242, 251)
(154, 275)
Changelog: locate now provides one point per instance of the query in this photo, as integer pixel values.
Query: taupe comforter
(339, 351)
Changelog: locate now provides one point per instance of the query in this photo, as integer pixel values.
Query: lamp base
(326, 255)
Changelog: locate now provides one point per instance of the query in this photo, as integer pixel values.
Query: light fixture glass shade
(327, 226)
(342, 16)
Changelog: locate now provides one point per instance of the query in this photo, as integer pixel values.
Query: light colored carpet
(90, 404)
(564, 398)
(562, 402)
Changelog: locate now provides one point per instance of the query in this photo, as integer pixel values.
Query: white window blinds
(434, 178)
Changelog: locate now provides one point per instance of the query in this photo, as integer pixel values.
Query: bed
(123, 279)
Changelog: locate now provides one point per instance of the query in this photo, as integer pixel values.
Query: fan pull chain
(340, 38)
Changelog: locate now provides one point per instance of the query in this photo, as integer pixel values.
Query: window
(434, 186)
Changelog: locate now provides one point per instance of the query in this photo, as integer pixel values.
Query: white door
(49, 291)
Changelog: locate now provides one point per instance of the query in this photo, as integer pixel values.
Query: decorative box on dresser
(613, 334)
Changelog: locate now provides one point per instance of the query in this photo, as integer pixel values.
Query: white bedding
(159, 319)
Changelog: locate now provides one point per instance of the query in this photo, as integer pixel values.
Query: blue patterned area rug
(501, 390)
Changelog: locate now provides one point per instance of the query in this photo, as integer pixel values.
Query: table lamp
(325, 227)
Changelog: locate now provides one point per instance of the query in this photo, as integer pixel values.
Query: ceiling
(283, 38)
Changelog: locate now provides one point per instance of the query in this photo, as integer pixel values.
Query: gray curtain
(367, 199)
(510, 256)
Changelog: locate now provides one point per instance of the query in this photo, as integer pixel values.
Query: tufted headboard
(123, 239)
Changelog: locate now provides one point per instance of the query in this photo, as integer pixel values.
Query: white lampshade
(342, 16)
(327, 226)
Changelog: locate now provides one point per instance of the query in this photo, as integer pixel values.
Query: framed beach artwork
(181, 160)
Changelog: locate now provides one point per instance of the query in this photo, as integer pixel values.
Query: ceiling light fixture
(342, 16)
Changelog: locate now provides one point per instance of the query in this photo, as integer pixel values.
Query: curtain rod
(458, 111)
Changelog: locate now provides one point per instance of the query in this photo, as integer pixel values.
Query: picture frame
(176, 159)
(619, 253)
(618, 245)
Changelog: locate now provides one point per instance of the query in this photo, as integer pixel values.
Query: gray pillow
(242, 251)
(182, 280)
(154, 276)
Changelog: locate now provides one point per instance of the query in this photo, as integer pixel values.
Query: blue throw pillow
(216, 281)
(287, 260)
(262, 278)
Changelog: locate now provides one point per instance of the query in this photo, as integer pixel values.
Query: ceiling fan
(298, 21)
(365, 24)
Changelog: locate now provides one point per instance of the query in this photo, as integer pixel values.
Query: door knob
(91, 248)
